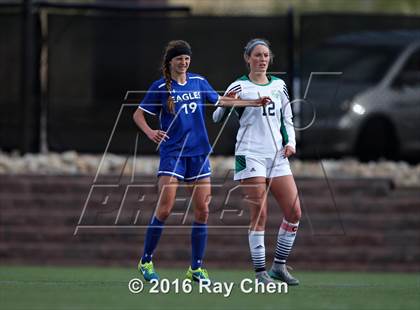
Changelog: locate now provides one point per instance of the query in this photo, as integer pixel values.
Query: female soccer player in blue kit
(179, 98)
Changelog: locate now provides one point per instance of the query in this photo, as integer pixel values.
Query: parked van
(371, 109)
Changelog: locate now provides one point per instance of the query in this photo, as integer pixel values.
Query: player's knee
(258, 224)
(294, 215)
(201, 216)
(260, 217)
(163, 213)
(293, 218)
(256, 197)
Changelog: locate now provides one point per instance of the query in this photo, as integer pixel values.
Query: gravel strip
(69, 163)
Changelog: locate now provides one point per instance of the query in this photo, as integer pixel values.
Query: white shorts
(252, 166)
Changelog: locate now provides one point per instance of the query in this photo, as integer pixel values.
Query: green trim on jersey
(283, 131)
(240, 163)
(270, 78)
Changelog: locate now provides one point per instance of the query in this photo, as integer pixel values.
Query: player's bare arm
(227, 101)
(155, 135)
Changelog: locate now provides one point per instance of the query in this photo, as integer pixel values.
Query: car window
(365, 64)
(413, 63)
(410, 73)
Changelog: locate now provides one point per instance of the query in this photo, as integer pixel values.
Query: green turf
(106, 288)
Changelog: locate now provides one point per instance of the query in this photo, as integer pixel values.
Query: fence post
(291, 50)
(29, 128)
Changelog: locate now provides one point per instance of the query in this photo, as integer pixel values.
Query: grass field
(107, 288)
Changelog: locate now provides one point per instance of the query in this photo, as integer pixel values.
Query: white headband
(249, 48)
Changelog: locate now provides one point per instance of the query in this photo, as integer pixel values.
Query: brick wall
(347, 224)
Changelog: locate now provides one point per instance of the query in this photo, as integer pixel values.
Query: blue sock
(198, 244)
(152, 238)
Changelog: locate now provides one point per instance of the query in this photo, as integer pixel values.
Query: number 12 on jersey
(270, 107)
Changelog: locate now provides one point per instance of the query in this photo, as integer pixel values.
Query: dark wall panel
(10, 77)
(95, 60)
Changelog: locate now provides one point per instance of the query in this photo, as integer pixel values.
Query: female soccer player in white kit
(265, 140)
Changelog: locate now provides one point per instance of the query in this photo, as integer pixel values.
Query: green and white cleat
(280, 272)
(263, 277)
(198, 275)
(148, 271)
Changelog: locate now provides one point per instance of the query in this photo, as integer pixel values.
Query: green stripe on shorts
(240, 163)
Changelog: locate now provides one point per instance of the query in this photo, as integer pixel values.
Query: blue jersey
(186, 128)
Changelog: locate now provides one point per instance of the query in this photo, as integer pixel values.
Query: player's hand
(263, 101)
(232, 94)
(289, 151)
(157, 136)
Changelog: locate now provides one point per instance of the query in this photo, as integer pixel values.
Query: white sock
(257, 247)
(285, 240)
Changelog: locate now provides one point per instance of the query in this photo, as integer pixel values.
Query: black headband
(176, 51)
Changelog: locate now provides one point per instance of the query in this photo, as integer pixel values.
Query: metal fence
(66, 69)
(87, 58)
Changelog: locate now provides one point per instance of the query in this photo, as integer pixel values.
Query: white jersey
(264, 131)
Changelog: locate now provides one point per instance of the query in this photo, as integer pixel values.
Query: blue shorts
(186, 169)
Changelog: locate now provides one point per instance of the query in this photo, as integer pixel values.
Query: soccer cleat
(148, 271)
(263, 277)
(280, 272)
(198, 275)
